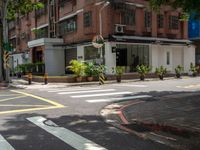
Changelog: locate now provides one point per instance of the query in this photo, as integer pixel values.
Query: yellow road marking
(24, 105)
(30, 109)
(9, 95)
(40, 98)
(13, 98)
(39, 107)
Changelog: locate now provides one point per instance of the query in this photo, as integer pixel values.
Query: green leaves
(21, 7)
(188, 6)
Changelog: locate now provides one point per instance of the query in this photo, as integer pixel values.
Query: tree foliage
(188, 6)
(21, 7)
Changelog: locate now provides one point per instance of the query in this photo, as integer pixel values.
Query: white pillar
(188, 57)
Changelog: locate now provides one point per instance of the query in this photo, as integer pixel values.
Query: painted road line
(102, 94)
(72, 89)
(16, 105)
(4, 145)
(13, 98)
(8, 95)
(40, 98)
(118, 99)
(133, 85)
(74, 140)
(91, 91)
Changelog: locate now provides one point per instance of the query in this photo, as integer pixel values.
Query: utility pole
(1, 40)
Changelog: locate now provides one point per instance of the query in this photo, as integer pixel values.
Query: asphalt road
(69, 118)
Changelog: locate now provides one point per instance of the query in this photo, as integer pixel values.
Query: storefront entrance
(131, 56)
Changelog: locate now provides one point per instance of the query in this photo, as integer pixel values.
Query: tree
(10, 9)
(188, 6)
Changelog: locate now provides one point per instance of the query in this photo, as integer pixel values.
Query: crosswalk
(69, 137)
(95, 94)
(192, 86)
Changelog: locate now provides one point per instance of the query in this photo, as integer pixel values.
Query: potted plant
(78, 68)
(178, 70)
(119, 71)
(194, 69)
(143, 70)
(90, 71)
(161, 72)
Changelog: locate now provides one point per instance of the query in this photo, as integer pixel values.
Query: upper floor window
(42, 11)
(88, 19)
(173, 22)
(147, 19)
(68, 25)
(62, 3)
(129, 17)
(160, 21)
(41, 33)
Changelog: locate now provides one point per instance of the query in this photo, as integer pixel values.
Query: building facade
(133, 34)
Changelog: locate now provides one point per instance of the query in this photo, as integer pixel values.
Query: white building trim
(40, 27)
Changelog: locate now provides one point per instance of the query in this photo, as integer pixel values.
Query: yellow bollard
(101, 79)
(30, 78)
(45, 78)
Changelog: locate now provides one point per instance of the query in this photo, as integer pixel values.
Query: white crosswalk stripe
(90, 91)
(117, 99)
(71, 138)
(102, 94)
(132, 85)
(4, 145)
(71, 89)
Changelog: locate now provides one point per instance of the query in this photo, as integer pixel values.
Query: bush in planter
(178, 70)
(194, 69)
(78, 68)
(143, 70)
(90, 71)
(161, 72)
(119, 71)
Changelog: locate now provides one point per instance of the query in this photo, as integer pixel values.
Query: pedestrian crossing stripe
(189, 86)
(90, 91)
(102, 94)
(71, 138)
(72, 89)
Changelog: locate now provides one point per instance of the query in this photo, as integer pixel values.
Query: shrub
(77, 67)
(161, 72)
(143, 70)
(194, 69)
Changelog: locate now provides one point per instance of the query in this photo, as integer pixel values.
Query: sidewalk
(20, 83)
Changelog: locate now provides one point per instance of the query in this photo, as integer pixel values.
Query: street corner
(14, 101)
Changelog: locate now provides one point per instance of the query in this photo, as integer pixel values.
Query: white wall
(110, 58)
(17, 59)
(189, 57)
(80, 53)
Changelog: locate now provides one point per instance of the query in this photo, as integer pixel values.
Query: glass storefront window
(132, 55)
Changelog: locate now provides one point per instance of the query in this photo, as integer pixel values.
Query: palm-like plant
(119, 71)
(77, 67)
(143, 70)
(178, 70)
(194, 69)
(161, 71)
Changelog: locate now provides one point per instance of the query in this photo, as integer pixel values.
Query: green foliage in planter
(161, 71)
(90, 69)
(179, 69)
(143, 70)
(101, 69)
(119, 70)
(77, 67)
(194, 69)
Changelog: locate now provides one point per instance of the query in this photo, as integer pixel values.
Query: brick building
(133, 33)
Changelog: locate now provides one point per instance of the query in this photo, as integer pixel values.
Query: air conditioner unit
(119, 28)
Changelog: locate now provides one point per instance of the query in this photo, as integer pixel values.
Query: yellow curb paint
(30, 109)
(39, 98)
(13, 98)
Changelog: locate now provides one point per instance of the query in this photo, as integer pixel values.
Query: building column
(188, 57)
(110, 57)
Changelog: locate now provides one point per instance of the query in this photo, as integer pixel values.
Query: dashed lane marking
(71, 138)
(4, 145)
